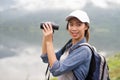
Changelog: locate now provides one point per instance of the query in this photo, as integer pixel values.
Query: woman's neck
(74, 41)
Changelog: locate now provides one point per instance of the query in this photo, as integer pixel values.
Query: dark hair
(87, 32)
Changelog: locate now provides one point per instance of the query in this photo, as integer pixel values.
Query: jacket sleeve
(44, 57)
(74, 59)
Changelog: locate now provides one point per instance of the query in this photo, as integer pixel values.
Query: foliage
(114, 67)
(54, 78)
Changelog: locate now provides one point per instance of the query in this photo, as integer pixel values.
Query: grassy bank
(114, 66)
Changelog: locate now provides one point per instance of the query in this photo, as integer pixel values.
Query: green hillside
(18, 30)
(104, 28)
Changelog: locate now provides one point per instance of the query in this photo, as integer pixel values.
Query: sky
(36, 5)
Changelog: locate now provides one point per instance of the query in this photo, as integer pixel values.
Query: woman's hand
(48, 32)
(48, 45)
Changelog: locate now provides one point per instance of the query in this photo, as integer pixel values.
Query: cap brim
(69, 17)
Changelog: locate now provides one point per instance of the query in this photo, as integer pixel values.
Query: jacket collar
(75, 45)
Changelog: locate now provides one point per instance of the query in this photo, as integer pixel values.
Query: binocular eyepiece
(54, 26)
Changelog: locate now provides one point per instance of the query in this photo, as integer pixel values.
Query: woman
(72, 63)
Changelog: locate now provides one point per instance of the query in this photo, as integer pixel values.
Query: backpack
(98, 69)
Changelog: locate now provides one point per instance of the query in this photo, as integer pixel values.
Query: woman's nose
(74, 27)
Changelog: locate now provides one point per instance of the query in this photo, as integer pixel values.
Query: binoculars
(54, 26)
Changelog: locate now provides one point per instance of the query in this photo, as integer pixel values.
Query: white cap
(80, 15)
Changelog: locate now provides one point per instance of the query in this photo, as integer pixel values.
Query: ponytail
(87, 32)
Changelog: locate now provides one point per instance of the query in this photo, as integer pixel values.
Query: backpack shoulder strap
(64, 47)
(92, 66)
(91, 47)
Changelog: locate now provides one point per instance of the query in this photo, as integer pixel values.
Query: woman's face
(76, 29)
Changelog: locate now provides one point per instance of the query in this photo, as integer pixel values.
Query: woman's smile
(74, 34)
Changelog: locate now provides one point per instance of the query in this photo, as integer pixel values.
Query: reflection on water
(6, 52)
(24, 64)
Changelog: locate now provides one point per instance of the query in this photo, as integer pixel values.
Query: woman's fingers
(47, 27)
(50, 26)
(48, 32)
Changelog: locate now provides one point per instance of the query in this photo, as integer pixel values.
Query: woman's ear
(86, 26)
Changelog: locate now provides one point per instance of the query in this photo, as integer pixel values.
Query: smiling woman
(71, 62)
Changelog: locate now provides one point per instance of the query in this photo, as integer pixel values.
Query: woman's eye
(79, 24)
(71, 24)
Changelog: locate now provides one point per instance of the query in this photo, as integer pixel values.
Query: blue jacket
(78, 61)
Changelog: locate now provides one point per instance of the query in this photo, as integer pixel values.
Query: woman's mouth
(74, 34)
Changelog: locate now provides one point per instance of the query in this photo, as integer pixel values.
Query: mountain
(20, 29)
